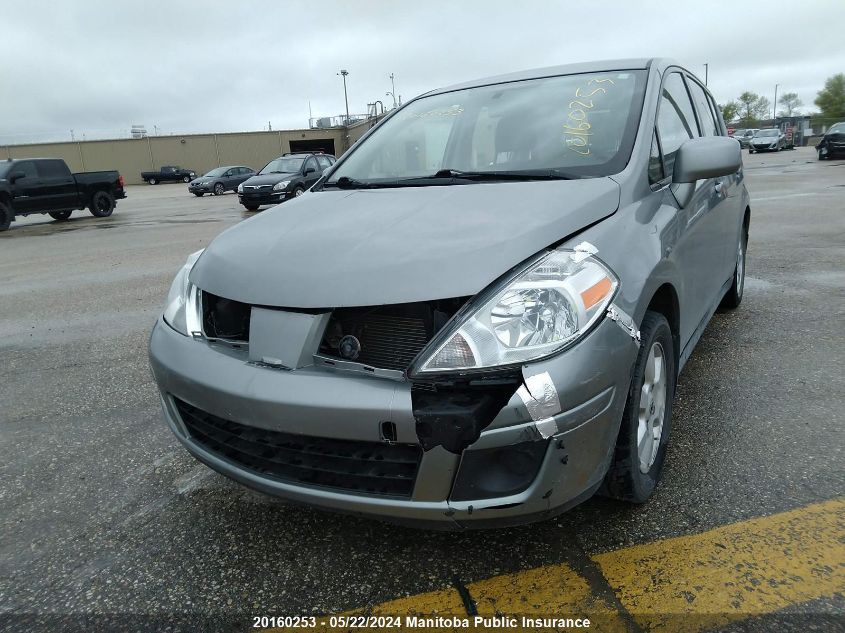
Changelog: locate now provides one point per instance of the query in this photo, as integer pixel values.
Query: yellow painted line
(732, 572)
(682, 584)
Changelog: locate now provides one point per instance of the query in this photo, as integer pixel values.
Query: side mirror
(708, 157)
(16, 175)
(308, 170)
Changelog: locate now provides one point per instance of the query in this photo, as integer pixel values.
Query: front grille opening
(368, 468)
(390, 336)
(225, 318)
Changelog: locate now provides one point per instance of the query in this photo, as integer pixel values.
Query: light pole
(706, 71)
(392, 92)
(343, 74)
(775, 104)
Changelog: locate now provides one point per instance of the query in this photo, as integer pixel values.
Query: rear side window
(709, 127)
(324, 161)
(52, 169)
(675, 119)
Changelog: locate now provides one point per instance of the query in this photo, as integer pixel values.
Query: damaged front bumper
(547, 449)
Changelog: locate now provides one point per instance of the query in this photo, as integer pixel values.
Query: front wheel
(219, 189)
(198, 194)
(821, 156)
(153, 181)
(750, 151)
(251, 207)
(6, 216)
(102, 204)
(637, 461)
(60, 216)
(186, 179)
(298, 192)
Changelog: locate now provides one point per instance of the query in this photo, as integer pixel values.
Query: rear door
(58, 187)
(26, 188)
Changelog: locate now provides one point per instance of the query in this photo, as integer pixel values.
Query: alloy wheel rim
(298, 193)
(652, 408)
(740, 267)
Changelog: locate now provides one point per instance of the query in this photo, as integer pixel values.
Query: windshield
(839, 128)
(216, 172)
(573, 126)
(768, 133)
(4, 167)
(283, 166)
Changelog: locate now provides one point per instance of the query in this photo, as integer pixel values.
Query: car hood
(269, 179)
(337, 248)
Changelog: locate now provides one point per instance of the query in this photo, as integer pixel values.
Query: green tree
(831, 99)
(729, 110)
(752, 108)
(790, 103)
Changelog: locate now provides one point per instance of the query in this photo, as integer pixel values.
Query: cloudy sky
(98, 67)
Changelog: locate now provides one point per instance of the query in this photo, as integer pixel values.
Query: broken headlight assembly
(181, 312)
(538, 312)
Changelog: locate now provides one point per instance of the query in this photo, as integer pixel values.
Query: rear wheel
(251, 207)
(733, 297)
(60, 215)
(219, 189)
(102, 204)
(153, 181)
(6, 216)
(186, 179)
(647, 419)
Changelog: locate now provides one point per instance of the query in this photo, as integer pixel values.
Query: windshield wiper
(345, 182)
(537, 174)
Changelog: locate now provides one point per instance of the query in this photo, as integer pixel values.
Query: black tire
(102, 204)
(198, 194)
(153, 181)
(733, 297)
(251, 207)
(6, 216)
(186, 179)
(624, 479)
(298, 191)
(821, 157)
(219, 189)
(750, 151)
(60, 216)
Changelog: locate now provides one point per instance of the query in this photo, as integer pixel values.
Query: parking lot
(104, 512)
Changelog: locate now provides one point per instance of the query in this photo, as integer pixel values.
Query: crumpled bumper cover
(576, 435)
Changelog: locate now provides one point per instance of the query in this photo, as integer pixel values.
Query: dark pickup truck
(46, 185)
(168, 173)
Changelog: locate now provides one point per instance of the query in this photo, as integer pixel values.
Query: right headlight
(241, 188)
(181, 311)
(540, 311)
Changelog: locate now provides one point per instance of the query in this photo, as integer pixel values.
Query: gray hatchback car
(478, 316)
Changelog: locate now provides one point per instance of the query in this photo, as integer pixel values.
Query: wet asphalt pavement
(102, 511)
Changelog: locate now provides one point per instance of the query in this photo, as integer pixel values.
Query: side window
(655, 161)
(720, 123)
(705, 114)
(324, 161)
(52, 169)
(28, 169)
(311, 163)
(675, 119)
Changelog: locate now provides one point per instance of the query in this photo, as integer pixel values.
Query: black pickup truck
(46, 185)
(168, 173)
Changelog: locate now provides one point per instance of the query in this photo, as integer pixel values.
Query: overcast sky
(98, 67)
